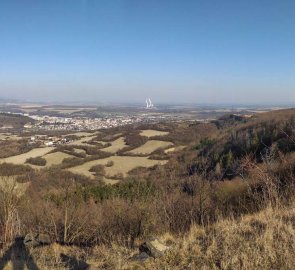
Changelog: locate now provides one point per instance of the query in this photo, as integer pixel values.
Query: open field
(83, 141)
(102, 142)
(170, 150)
(21, 159)
(8, 136)
(82, 134)
(79, 151)
(116, 145)
(55, 158)
(173, 149)
(113, 143)
(149, 147)
(122, 165)
(151, 133)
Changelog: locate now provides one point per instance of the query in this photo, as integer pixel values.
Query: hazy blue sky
(125, 50)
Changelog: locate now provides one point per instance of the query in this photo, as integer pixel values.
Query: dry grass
(261, 241)
(79, 151)
(265, 240)
(9, 136)
(173, 149)
(83, 141)
(122, 165)
(151, 133)
(21, 159)
(82, 134)
(9, 185)
(55, 158)
(116, 146)
(150, 146)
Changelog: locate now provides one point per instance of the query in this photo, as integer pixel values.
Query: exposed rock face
(152, 248)
(141, 257)
(35, 240)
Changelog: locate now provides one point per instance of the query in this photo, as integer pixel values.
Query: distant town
(79, 123)
(73, 123)
(83, 118)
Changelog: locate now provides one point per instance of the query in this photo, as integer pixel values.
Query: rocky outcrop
(151, 248)
(35, 240)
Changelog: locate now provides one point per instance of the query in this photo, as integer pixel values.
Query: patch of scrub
(149, 147)
(151, 133)
(122, 165)
(21, 159)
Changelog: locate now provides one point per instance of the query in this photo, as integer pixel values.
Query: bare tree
(11, 193)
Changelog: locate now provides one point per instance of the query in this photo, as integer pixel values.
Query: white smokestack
(149, 104)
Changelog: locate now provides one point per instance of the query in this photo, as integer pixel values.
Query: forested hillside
(14, 121)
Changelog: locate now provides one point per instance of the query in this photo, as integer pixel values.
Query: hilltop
(203, 189)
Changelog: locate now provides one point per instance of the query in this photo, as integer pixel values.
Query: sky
(173, 51)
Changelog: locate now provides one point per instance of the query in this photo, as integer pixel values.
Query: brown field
(151, 133)
(55, 158)
(82, 134)
(173, 149)
(101, 142)
(8, 136)
(122, 165)
(116, 145)
(21, 159)
(150, 146)
(83, 141)
(79, 151)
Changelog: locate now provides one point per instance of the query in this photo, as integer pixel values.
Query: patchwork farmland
(87, 150)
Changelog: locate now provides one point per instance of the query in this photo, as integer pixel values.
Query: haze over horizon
(124, 51)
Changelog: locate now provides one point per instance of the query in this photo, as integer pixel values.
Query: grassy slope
(265, 240)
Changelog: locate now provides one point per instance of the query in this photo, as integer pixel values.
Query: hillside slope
(265, 240)
(224, 201)
(14, 121)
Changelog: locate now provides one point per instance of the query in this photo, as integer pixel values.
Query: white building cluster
(81, 123)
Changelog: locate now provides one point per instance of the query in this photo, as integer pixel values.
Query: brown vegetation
(212, 199)
(14, 121)
(38, 161)
(14, 147)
